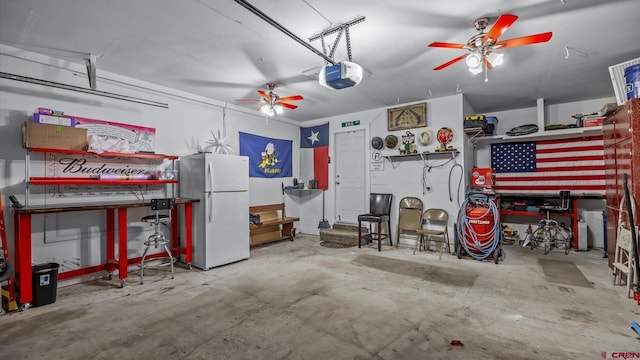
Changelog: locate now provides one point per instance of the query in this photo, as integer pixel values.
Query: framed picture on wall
(407, 117)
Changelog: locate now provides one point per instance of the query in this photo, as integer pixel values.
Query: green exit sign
(351, 123)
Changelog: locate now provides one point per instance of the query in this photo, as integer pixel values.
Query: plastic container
(632, 79)
(492, 123)
(44, 279)
(582, 235)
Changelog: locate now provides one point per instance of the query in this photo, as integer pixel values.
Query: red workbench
(22, 239)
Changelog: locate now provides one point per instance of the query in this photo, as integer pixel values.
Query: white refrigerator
(221, 217)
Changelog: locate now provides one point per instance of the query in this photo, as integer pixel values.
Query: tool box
(475, 121)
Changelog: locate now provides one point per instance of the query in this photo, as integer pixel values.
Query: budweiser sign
(65, 165)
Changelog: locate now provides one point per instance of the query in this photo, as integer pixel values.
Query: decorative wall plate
(391, 141)
(425, 138)
(377, 143)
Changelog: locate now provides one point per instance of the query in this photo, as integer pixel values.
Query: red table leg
(175, 244)
(111, 241)
(188, 229)
(22, 249)
(574, 223)
(122, 245)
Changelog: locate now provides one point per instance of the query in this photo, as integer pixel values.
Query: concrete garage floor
(299, 300)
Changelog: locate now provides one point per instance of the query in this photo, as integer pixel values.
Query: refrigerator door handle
(210, 205)
(209, 186)
(209, 190)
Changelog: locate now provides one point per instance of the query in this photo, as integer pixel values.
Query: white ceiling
(220, 50)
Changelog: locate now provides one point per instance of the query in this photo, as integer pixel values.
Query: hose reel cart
(478, 232)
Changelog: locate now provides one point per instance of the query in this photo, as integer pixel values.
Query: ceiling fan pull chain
(486, 72)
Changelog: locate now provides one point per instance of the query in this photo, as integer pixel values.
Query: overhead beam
(275, 24)
(30, 80)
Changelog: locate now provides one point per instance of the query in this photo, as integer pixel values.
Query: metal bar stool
(157, 239)
(549, 231)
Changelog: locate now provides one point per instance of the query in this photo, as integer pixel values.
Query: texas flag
(314, 155)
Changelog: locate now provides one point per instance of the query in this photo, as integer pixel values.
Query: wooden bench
(275, 224)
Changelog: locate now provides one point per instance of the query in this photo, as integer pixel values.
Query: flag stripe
(541, 159)
(560, 172)
(583, 147)
(550, 166)
(321, 167)
(572, 167)
(565, 142)
(554, 178)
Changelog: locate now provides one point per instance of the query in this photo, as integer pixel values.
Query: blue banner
(268, 158)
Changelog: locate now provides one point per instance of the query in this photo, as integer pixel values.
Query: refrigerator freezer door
(228, 172)
(192, 176)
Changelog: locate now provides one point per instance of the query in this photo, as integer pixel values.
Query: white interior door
(350, 178)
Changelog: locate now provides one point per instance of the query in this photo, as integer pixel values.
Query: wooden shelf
(94, 181)
(106, 154)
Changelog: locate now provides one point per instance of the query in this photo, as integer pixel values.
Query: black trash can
(44, 279)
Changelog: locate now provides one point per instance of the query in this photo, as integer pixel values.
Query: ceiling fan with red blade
(273, 103)
(482, 47)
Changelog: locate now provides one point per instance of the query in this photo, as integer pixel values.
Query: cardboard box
(590, 122)
(55, 120)
(482, 177)
(48, 136)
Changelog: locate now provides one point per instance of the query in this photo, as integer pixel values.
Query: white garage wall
(187, 123)
(406, 179)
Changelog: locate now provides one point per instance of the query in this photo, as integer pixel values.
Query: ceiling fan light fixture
(495, 58)
(267, 109)
(278, 109)
(473, 60)
(475, 70)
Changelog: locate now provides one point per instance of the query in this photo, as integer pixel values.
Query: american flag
(546, 167)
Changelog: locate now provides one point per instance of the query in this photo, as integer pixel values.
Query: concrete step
(346, 227)
(342, 233)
